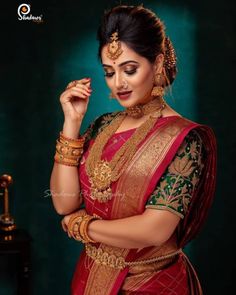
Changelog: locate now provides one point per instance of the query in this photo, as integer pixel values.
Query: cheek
(144, 79)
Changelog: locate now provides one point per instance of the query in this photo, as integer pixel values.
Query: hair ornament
(114, 47)
(170, 56)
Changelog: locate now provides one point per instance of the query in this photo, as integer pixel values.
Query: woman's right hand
(74, 100)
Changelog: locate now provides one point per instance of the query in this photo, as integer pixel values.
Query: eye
(108, 75)
(131, 72)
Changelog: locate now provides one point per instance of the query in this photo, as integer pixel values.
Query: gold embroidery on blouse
(174, 191)
(182, 166)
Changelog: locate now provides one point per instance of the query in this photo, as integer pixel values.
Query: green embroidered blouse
(174, 190)
(176, 187)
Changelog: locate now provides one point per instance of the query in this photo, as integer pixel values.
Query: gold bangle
(68, 152)
(60, 159)
(74, 224)
(71, 141)
(84, 227)
(85, 238)
(67, 143)
(75, 232)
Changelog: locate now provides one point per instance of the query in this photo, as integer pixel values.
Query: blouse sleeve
(177, 185)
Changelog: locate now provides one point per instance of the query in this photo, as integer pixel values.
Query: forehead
(127, 54)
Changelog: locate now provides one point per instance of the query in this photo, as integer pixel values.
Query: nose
(118, 81)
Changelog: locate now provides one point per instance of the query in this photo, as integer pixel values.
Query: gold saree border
(101, 277)
(133, 183)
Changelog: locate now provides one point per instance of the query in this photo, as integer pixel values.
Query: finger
(84, 80)
(75, 88)
(84, 91)
(81, 94)
(88, 83)
(82, 86)
(63, 226)
(87, 92)
(68, 94)
(81, 81)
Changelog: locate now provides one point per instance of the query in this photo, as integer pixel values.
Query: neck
(140, 110)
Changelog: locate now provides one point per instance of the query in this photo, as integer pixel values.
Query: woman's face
(130, 74)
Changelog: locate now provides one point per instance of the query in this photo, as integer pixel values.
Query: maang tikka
(114, 47)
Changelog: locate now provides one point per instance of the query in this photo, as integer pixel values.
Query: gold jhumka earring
(157, 89)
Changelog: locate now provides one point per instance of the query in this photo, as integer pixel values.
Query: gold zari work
(101, 172)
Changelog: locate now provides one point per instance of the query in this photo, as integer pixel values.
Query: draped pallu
(130, 193)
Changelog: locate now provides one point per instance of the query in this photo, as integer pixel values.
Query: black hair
(140, 29)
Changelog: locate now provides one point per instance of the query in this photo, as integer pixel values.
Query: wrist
(71, 128)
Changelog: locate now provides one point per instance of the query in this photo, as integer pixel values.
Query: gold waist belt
(111, 260)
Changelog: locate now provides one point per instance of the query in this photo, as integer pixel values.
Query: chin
(127, 103)
(130, 102)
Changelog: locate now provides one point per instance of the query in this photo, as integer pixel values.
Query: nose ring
(125, 84)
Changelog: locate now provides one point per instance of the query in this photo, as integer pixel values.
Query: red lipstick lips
(124, 94)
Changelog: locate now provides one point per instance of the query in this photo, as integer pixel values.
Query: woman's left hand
(65, 221)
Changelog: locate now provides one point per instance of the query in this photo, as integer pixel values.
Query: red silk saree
(174, 275)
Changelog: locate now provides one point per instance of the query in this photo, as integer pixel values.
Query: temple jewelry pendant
(100, 182)
(102, 175)
(101, 196)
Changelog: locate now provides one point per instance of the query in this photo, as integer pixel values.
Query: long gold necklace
(102, 172)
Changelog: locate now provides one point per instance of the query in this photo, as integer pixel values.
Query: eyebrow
(122, 64)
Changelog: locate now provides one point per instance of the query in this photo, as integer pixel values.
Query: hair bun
(170, 56)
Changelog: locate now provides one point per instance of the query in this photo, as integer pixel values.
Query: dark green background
(38, 60)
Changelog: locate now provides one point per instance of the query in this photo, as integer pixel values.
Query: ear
(158, 64)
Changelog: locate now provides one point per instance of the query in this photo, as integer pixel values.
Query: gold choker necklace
(140, 110)
(102, 173)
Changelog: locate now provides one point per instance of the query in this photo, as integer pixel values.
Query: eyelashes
(129, 73)
(108, 75)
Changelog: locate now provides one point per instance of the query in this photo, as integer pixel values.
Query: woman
(146, 175)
